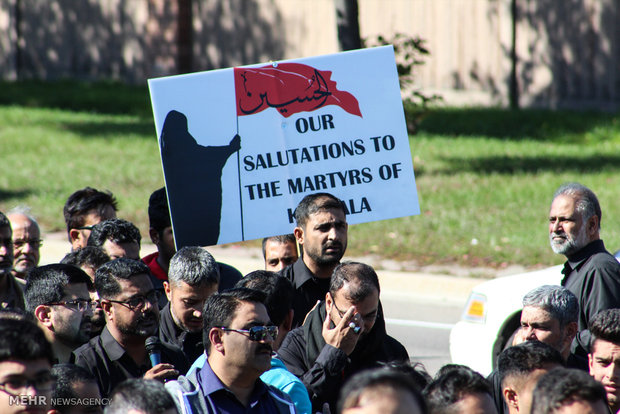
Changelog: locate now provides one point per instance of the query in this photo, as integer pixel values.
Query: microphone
(153, 347)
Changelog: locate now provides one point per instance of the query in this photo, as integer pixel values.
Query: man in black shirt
(590, 272)
(343, 335)
(193, 277)
(129, 302)
(322, 234)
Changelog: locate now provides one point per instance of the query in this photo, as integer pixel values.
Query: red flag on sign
(290, 88)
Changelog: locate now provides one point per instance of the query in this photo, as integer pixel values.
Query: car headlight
(476, 308)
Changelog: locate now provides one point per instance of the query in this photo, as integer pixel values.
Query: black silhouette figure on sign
(193, 176)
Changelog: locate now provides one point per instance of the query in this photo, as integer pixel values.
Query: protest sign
(242, 146)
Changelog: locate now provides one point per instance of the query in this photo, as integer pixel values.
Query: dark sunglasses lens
(261, 333)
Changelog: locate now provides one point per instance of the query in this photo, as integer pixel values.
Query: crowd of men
(179, 332)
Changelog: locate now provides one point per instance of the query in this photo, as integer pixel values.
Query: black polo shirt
(308, 289)
(189, 342)
(593, 275)
(107, 360)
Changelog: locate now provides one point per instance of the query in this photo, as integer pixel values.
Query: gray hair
(194, 266)
(24, 210)
(587, 204)
(560, 302)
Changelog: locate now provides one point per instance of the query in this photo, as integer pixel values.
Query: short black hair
(352, 390)
(159, 213)
(47, 283)
(361, 278)
(312, 203)
(89, 256)
(220, 309)
(81, 202)
(146, 396)
(283, 238)
(66, 377)
(523, 359)
(279, 292)
(562, 386)
(106, 277)
(416, 371)
(22, 339)
(605, 325)
(451, 384)
(4, 221)
(116, 230)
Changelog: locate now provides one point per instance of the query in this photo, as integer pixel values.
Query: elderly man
(590, 272)
(549, 315)
(58, 297)
(85, 208)
(11, 295)
(343, 335)
(238, 337)
(192, 278)
(129, 302)
(26, 242)
(279, 252)
(604, 357)
(322, 234)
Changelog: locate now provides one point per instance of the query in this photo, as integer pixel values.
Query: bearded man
(591, 272)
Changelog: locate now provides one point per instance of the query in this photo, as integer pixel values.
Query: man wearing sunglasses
(58, 297)
(85, 208)
(341, 336)
(239, 340)
(129, 302)
(26, 382)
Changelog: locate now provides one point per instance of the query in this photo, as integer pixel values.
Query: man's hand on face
(162, 372)
(343, 336)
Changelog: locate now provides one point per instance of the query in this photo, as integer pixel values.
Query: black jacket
(189, 342)
(308, 289)
(322, 368)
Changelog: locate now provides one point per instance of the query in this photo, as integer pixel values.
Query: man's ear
(168, 290)
(299, 234)
(287, 323)
(74, 236)
(592, 227)
(215, 337)
(511, 397)
(43, 313)
(107, 308)
(154, 236)
(571, 330)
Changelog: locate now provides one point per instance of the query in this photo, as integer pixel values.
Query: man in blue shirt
(239, 338)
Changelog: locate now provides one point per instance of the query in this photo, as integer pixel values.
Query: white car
(491, 315)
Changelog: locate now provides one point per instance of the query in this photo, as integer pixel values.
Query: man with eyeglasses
(341, 336)
(11, 295)
(85, 208)
(26, 241)
(26, 382)
(239, 339)
(57, 295)
(129, 302)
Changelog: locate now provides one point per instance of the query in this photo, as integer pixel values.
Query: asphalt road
(422, 325)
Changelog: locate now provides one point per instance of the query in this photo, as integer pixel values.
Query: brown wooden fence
(546, 53)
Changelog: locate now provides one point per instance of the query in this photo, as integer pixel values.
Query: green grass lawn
(485, 176)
